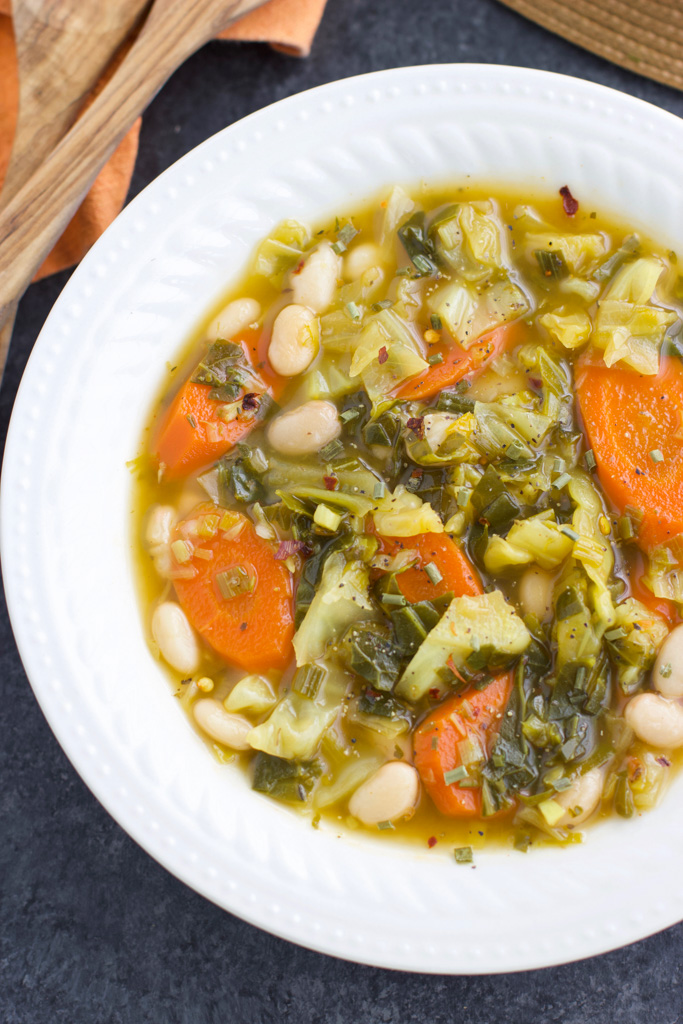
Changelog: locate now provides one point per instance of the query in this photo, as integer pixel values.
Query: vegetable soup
(410, 516)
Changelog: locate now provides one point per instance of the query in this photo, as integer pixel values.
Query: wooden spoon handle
(33, 220)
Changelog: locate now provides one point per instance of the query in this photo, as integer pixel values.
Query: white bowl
(66, 497)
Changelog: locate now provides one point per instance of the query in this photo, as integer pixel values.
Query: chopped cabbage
(297, 724)
(538, 539)
(469, 238)
(341, 599)
(252, 694)
(403, 514)
(398, 206)
(580, 252)
(635, 651)
(390, 334)
(280, 251)
(571, 329)
(469, 311)
(485, 625)
(592, 550)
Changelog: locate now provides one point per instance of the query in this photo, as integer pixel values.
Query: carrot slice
(628, 418)
(251, 630)
(457, 572)
(459, 362)
(475, 715)
(191, 435)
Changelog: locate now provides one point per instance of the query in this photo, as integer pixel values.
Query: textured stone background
(92, 931)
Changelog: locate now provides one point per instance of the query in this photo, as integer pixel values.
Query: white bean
(536, 593)
(306, 429)
(316, 283)
(159, 525)
(390, 793)
(294, 341)
(667, 674)
(175, 637)
(584, 792)
(656, 720)
(233, 318)
(220, 725)
(361, 258)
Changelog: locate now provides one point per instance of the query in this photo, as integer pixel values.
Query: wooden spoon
(63, 47)
(35, 217)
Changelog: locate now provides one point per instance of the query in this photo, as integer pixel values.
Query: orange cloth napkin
(289, 25)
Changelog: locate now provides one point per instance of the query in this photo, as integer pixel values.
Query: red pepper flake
(382, 355)
(331, 483)
(417, 425)
(250, 401)
(432, 841)
(299, 267)
(435, 693)
(569, 204)
(664, 761)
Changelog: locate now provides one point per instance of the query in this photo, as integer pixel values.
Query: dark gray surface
(91, 929)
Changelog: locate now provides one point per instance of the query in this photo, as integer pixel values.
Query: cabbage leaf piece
(538, 540)
(341, 599)
(580, 252)
(469, 237)
(572, 330)
(483, 629)
(634, 651)
(389, 351)
(403, 514)
(470, 311)
(297, 724)
(629, 326)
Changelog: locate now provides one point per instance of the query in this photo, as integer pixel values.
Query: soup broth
(408, 514)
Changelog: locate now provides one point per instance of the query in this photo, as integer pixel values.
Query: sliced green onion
(338, 248)
(455, 775)
(561, 481)
(384, 825)
(615, 634)
(435, 742)
(463, 497)
(433, 573)
(349, 414)
(422, 264)
(191, 420)
(380, 490)
(234, 582)
(395, 599)
(307, 680)
(625, 528)
(552, 264)
(332, 449)
(589, 460)
(435, 321)
(463, 854)
(656, 455)
(347, 233)
(568, 532)
(353, 310)
(435, 359)
(181, 551)
(376, 307)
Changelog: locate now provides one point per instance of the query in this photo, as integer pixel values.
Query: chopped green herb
(463, 854)
(435, 321)
(433, 573)
(435, 359)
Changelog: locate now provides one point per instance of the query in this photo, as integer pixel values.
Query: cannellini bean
(667, 674)
(294, 341)
(220, 725)
(159, 525)
(656, 720)
(234, 318)
(175, 637)
(536, 593)
(360, 258)
(585, 792)
(315, 284)
(306, 429)
(390, 793)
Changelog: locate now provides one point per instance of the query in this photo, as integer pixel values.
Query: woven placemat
(645, 36)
